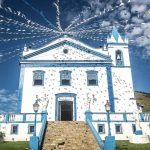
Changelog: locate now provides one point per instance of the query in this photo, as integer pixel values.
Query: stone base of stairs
(68, 135)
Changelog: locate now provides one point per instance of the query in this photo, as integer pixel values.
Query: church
(83, 95)
(69, 77)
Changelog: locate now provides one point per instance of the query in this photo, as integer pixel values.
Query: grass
(14, 145)
(143, 98)
(125, 145)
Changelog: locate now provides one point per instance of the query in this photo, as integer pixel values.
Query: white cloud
(8, 101)
(125, 14)
(1, 3)
(138, 8)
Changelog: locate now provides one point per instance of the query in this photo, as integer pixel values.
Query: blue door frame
(74, 104)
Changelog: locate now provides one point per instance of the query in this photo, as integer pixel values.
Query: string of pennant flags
(95, 27)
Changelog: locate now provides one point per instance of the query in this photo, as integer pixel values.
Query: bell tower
(118, 49)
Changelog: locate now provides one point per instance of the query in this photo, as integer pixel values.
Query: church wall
(123, 90)
(127, 130)
(22, 134)
(84, 93)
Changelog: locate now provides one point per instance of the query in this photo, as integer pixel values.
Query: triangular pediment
(66, 49)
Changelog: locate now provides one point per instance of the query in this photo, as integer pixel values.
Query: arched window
(65, 77)
(92, 78)
(119, 58)
(38, 77)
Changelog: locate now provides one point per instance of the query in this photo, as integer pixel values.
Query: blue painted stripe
(120, 66)
(116, 43)
(66, 65)
(20, 90)
(65, 61)
(110, 89)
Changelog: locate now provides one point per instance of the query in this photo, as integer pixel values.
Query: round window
(65, 51)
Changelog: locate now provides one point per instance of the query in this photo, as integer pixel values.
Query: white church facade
(69, 77)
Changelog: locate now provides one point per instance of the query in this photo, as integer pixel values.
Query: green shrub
(2, 135)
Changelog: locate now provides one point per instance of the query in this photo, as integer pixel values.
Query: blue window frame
(38, 77)
(92, 78)
(30, 129)
(14, 129)
(133, 128)
(101, 128)
(118, 128)
(65, 78)
(119, 58)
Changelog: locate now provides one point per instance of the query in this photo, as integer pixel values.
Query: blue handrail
(96, 135)
(41, 134)
(93, 130)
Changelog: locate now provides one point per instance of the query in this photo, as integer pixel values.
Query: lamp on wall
(35, 108)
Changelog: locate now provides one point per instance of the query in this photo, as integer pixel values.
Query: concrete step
(68, 135)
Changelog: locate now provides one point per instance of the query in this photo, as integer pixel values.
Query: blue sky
(34, 23)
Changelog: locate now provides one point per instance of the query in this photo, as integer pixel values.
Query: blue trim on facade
(67, 65)
(65, 42)
(125, 117)
(138, 132)
(110, 89)
(74, 103)
(118, 44)
(43, 127)
(67, 61)
(115, 33)
(120, 66)
(20, 90)
(142, 116)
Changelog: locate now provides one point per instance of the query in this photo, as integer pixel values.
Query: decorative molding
(65, 61)
(121, 67)
(66, 65)
(65, 42)
(117, 44)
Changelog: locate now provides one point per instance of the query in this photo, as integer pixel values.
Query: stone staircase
(69, 135)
